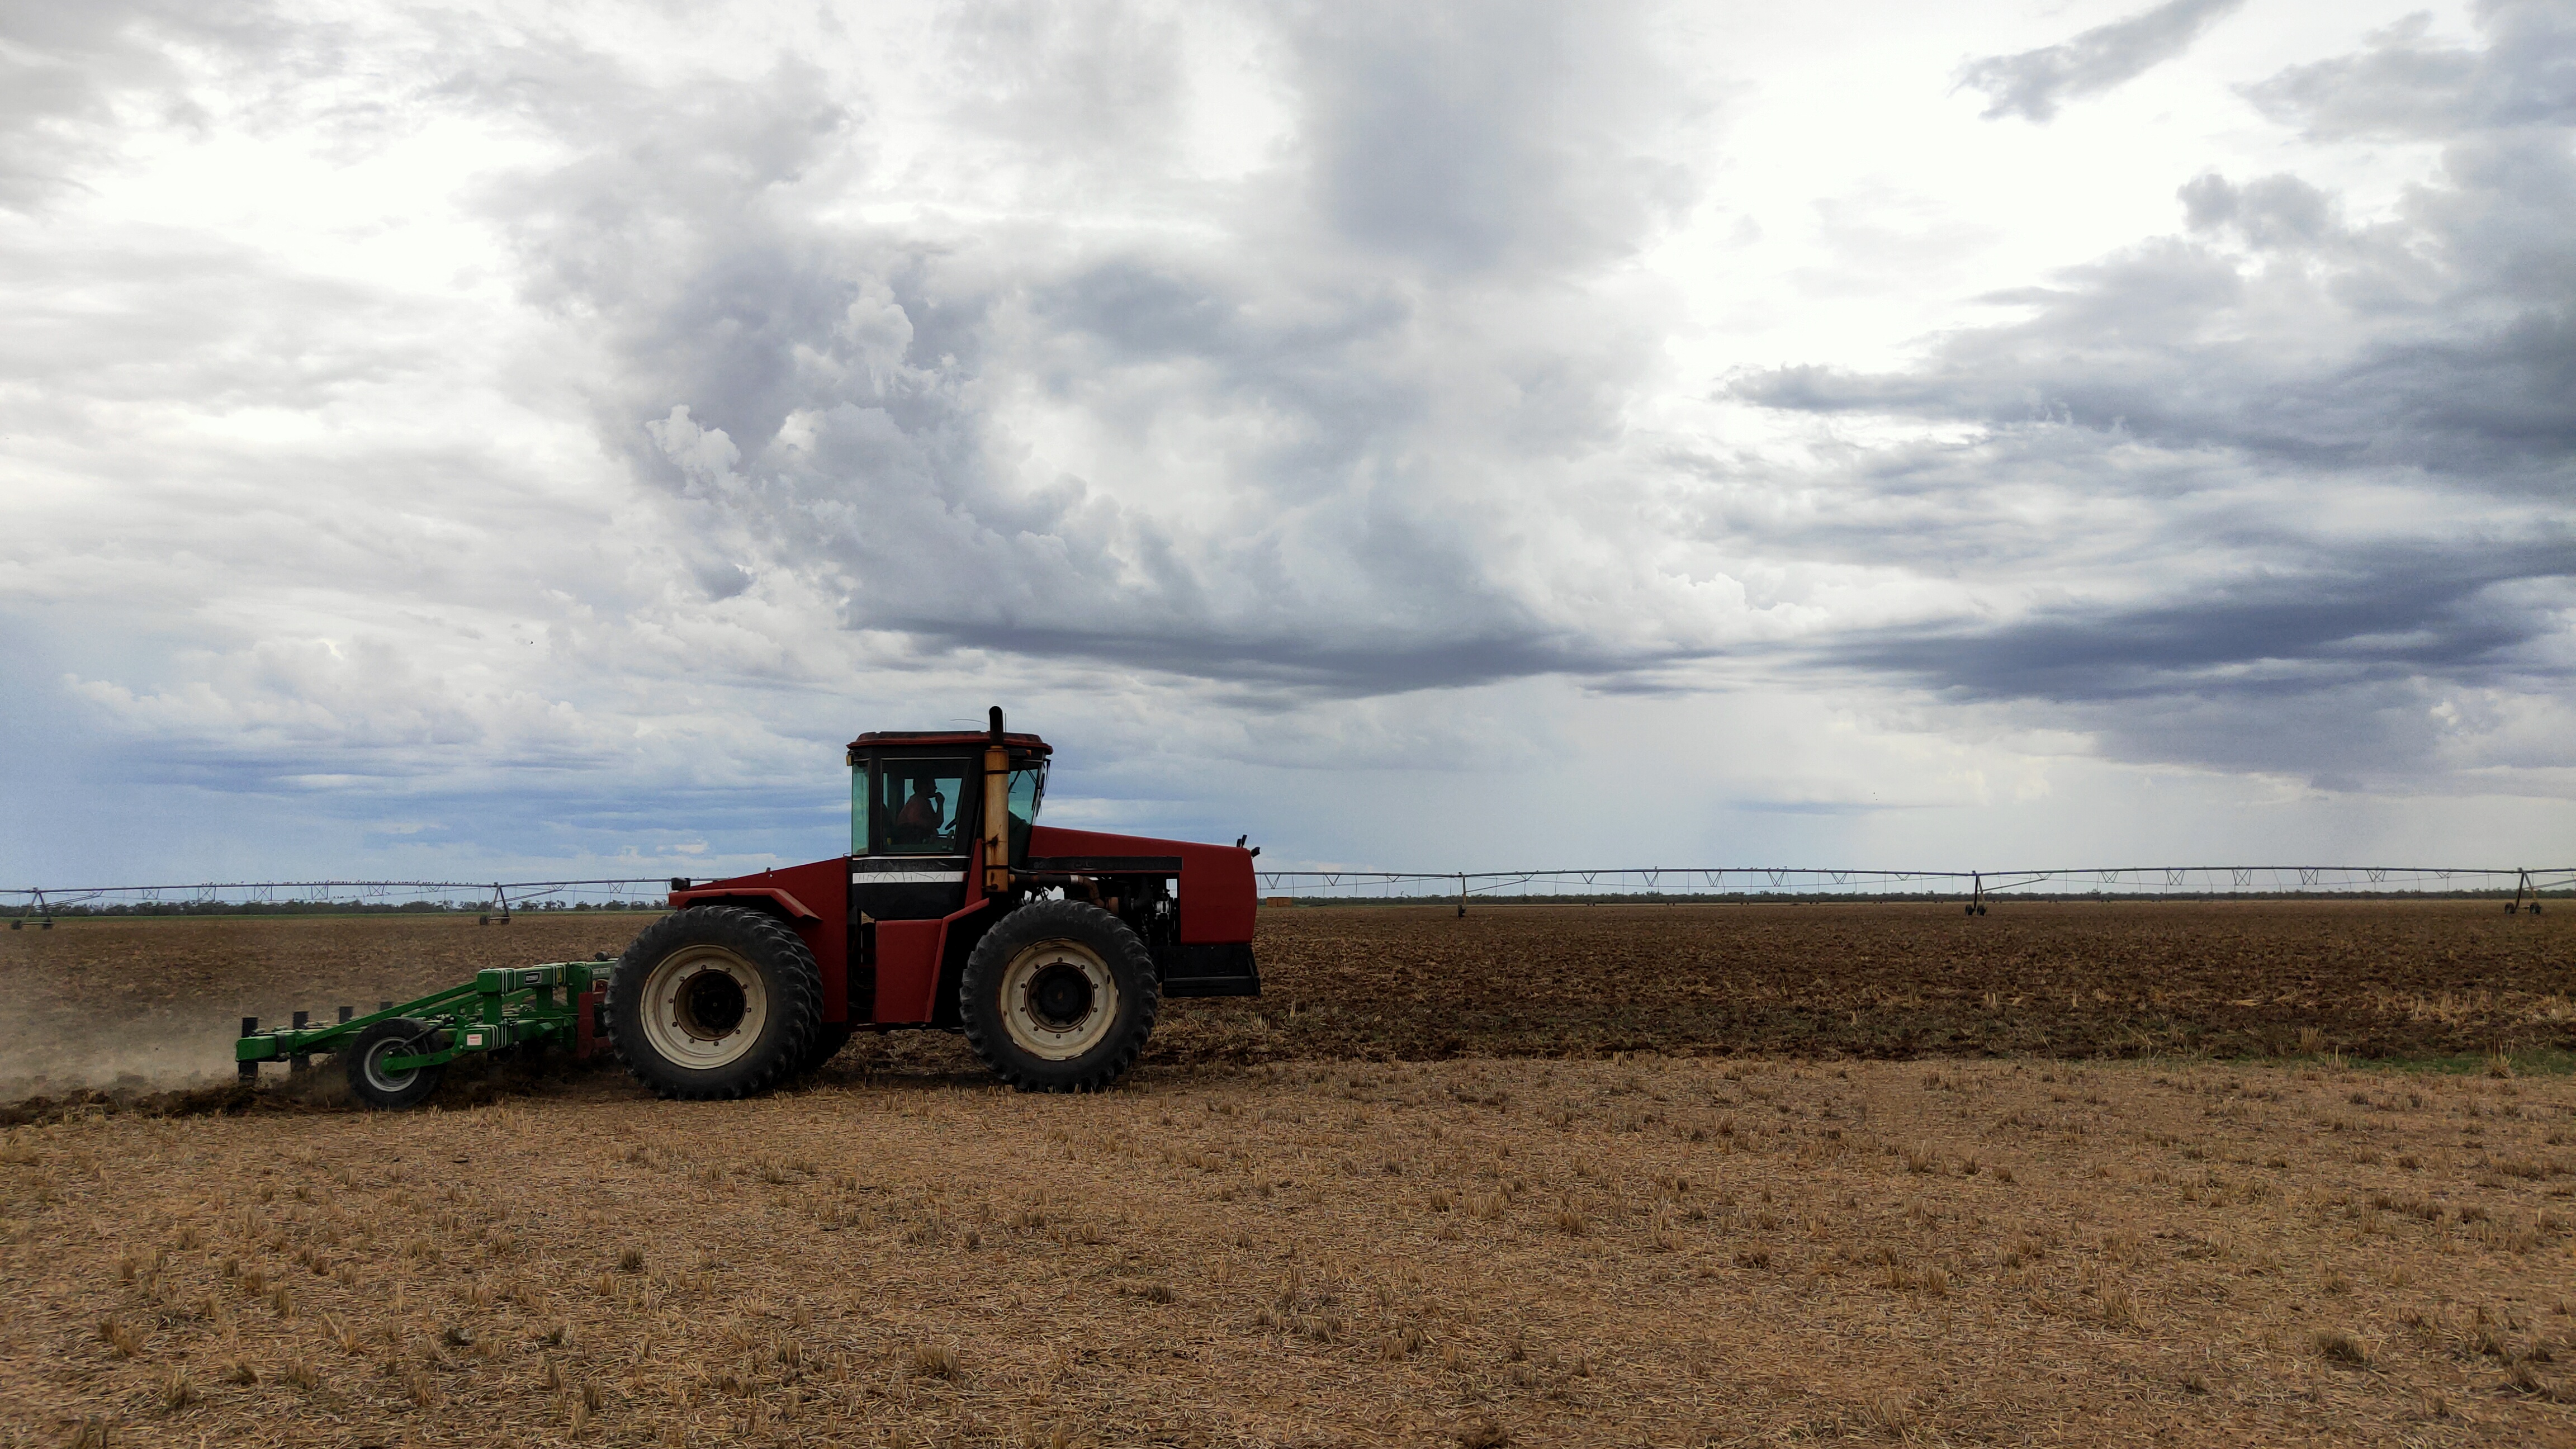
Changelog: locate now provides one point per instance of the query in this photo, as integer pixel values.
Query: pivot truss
(1971, 887)
(494, 901)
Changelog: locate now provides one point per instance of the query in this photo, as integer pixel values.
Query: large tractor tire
(714, 1002)
(390, 1091)
(1058, 996)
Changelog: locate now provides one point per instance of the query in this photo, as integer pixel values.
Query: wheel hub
(711, 1005)
(1059, 1000)
(1061, 996)
(373, 1064)
(703, 1006)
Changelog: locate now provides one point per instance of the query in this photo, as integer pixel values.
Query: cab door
(912, 838)
(913, 848)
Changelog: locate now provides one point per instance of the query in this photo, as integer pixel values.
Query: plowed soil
(1450, 1255)
(1655, 1195)
(158, 1000)
(2374, 979)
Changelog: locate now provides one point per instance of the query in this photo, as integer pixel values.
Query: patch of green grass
(2534, 1062)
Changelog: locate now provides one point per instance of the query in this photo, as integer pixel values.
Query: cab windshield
(1028, 788)
(919, 807)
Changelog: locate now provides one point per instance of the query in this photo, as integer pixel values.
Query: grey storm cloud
(2035, 83)
(1467, 137)
(2385, 613)
(2406, 86)
(992, 365)
(826, 397)
(2438, 338)
(837, 386)
(2281, 357)
(59, 68)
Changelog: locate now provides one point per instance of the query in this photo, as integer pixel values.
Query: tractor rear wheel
(713, 1002)
(1058, 996)
(369, 1080)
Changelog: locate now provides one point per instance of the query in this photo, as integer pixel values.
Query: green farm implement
(395, 1055)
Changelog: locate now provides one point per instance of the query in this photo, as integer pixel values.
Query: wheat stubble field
(1261, 1242)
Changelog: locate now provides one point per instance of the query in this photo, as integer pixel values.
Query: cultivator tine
(248, 1071)
(300, 1062)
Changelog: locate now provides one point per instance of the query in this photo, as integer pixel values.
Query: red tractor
(954, 910)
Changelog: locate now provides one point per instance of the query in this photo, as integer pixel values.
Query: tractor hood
(1216, 889)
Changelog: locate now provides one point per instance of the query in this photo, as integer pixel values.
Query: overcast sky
(511, 439)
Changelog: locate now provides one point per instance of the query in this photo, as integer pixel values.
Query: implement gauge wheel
(713, 1002)
(369, 1080)
(1058, 996)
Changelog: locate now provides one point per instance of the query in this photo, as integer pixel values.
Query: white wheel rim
(678, 993)
(373, 1065)
(1045, 974)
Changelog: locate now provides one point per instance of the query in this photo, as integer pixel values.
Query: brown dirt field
(158, 1000)
(2218, 978)
(1672, 1251)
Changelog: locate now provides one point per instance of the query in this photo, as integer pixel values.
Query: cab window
(1028, 787)
(919, 807)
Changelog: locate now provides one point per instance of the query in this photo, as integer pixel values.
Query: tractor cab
(916, 816)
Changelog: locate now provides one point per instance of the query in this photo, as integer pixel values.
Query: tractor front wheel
(391, 1091)
(713, 1002)
(1058, 996)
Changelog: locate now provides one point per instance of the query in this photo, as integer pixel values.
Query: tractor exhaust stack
(997, 810)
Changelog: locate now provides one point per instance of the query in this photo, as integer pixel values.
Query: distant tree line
(1830, 897)
(321, 908)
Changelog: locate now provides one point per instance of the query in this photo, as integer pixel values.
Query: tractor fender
(812, 900)
(758, 898)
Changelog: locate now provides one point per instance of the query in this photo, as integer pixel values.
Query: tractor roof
(876, 738)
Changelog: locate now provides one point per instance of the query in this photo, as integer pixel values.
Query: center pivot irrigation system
(1970, 887)
(494, 899)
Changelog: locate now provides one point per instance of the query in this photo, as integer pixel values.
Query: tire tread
(1042, 920)
(767, 940)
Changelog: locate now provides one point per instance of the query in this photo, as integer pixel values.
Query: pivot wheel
(715, 1001)
(1058, 997)
(371, 1081)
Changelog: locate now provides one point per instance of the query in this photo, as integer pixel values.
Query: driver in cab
(919, 819)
